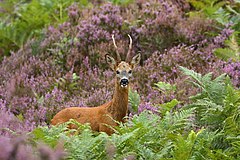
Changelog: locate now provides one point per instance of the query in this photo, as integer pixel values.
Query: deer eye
(130, 72)
(117, 72)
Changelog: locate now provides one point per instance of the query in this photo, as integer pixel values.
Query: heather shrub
(10, 124)
(23, 92)
(164, 68)
(21, 148)
(71, 43)
(153, 25)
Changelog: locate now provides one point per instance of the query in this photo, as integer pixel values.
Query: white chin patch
(123, 86)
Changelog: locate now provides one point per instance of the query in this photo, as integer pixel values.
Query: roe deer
(101, 117)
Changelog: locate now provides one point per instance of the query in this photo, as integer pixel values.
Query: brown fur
(98, 117)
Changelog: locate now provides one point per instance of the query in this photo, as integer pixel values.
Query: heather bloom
(99, 26)
(19, 149)
(73, 12)
(5, 148)
(147, 106)
(233, 70)
(57, 94)
(10, 125)
(14, 149)
(2, 104)
(225, 33)
(51, 29)
(46, 153)
(194, 29)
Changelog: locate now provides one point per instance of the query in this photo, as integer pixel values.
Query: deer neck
(119, 106)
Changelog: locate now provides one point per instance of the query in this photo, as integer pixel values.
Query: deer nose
(124, 82)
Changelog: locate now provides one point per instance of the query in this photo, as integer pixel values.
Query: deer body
(101, 117)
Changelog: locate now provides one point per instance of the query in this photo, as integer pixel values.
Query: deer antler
(118, 55)
(129, 48)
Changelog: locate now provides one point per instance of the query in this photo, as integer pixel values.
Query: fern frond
(195, 76)
(134, 100)
(232, 51)
(178, 121)
(214, 89)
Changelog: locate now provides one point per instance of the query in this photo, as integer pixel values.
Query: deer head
(123, 69)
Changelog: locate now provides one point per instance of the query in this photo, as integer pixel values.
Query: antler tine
(114, 43)
(129, 48)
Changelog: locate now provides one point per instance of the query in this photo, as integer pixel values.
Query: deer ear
(110, 61)
(136, 60)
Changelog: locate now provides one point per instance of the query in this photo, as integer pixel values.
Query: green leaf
(162, 86)
(166, 107)
(75, 77)
(39, 134)
(197, 4)
(226, 54)
(20, 117)
(134, 100)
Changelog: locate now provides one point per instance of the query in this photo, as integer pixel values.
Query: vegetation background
(184, 100)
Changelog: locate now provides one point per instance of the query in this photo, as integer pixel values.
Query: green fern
(207, 7)
(232, 50)
(231, 103)
(165, 87)
(86, 146)
(121, 2)
(67, 84)
(209, 103)
(134, 100)
(184, 146)
(49, 136)
(178, 121)
(214, 90)
(168, 106)
(149, 135)
(217, 109)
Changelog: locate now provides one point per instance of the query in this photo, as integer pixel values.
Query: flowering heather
(14, 149)
(147, 106)
(73, 13)
(194, 29)
(66, 67)
(100, 25)
(10, 125)
(233, 70)
(224, 35)
(19, 149)
(153, 25)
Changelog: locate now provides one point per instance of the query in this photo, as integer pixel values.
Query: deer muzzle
(124, 82)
